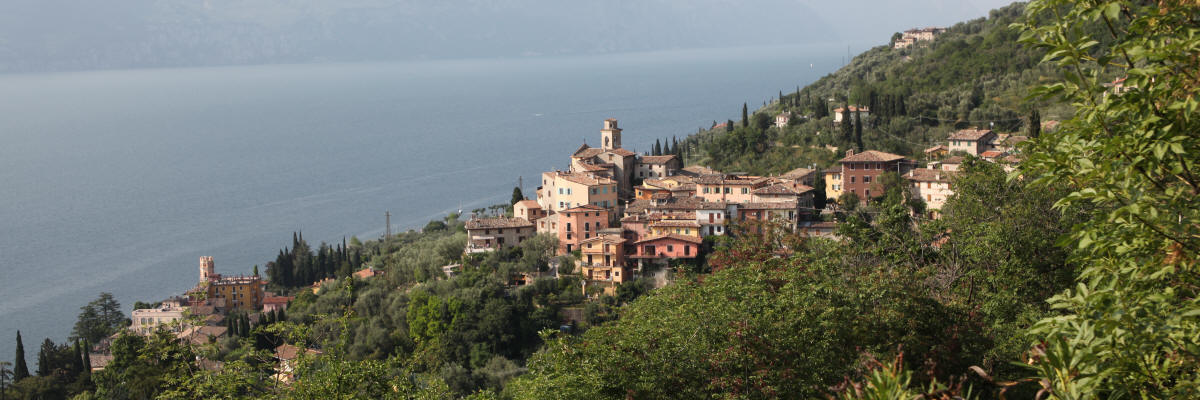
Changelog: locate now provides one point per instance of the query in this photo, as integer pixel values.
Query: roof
(991, 154)
(1014, 139)
(586, 179)
(797, 173)
(773, 205)
(584, 208)
(853, 109)
(775, 189)
(580, 149)
(970, 134)
(683, 238)
(929, 175)
(954, 160)
(367, 273)
(698, 170)
(615, 239)
(493, 223)
(658, 159)
(622, 152)
(937, 148)
(872, 156)
(289, 352)
(687, 187)
(528, 204)
(675, 223)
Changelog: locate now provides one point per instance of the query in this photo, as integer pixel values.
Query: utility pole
(388, 216)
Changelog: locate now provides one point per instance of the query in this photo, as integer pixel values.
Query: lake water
(119, 181)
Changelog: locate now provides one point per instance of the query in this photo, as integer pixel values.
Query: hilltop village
(621, 214)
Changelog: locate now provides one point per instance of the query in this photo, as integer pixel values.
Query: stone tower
(610, 135)
(206, 268)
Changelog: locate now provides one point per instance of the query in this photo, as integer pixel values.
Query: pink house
(668, 246)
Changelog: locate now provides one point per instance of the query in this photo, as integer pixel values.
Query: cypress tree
(1035, 123)
(255, 269)
(657, 147)
(245, 326)
(282, 315)
(516, 196)
(728, 125)
(45, 355)
(674, 146)
(20, 369)
(77, 363)
(847, 128)
(858, 130)
(745, 116)
(87, 356)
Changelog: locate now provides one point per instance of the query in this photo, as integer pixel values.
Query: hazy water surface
(119, 180)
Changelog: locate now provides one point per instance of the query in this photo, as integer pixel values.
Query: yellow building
(833, 183)
(564, 190)
(240, 292)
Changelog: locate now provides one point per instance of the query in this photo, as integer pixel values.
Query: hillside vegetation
(975, 74)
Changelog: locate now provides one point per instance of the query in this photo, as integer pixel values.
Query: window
(745, 190)
(670, 248)
(568, 227)
(606, 190)
(851, 166)
(705, 190)
(867, 179)
(726, 190)
(687, 250)
(868, 193)
(568, 190)
(852, 179)
(642, 174)
(928, 185)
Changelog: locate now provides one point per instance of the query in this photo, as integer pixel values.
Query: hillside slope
(974, 74)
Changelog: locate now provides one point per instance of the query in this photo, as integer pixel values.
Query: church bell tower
(610, 135)
(206, 268)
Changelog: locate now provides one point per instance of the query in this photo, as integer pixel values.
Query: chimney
(849, 152)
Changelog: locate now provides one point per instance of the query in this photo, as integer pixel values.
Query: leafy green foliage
(1131, 326)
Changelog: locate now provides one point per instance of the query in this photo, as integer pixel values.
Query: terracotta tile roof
(584, 208)
(494, 223)
(687, 187)
(1014, 139)
(697, 170)
(936, 149)
(929, 175)
(991, 154)
(710, 179)
(675, 223)
(622, 152)
(658, 159)
(872, 156)
(614, 239)
(797, 173)
(596, 167)
(802, 189)
(1013, 159)
(683, 238)
(953, 160)
(970, 134)
(529, 204)
(776, 205)
(289, 352)
(587, 153)
(582, 147)
(775, 189)
(635, 218)
(586, 179)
